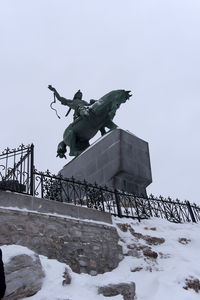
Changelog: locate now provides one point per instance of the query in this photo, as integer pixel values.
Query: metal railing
(17, 169)
(116, 202)
(23, 177)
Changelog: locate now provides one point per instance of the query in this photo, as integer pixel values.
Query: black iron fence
(17, 170)
(24, 178)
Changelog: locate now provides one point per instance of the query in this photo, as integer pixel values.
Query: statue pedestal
(119, 160)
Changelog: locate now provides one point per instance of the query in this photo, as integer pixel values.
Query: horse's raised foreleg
(61, 150)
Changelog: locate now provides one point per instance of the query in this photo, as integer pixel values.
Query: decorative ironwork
(17, 173)
(16, 169)
(115, 202)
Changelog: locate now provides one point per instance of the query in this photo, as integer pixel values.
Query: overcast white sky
(151, 47)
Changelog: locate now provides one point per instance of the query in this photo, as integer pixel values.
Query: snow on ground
(160, 278)
(164, 277)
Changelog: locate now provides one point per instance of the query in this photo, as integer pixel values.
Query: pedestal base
(119, 160)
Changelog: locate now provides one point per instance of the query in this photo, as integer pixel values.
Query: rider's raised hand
(51, 88)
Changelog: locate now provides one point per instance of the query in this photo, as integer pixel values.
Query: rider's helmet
(78, 95)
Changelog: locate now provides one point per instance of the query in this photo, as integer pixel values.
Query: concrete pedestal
(119, 160)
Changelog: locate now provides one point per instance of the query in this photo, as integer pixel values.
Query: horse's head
(109, 103)
(119, 96)
(116, 98)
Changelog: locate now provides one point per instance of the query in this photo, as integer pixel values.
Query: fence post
(190, 211)
(137, 210)
(32, 171)
(117, 199)
(149, 206)
(42, 186)
(102, 198)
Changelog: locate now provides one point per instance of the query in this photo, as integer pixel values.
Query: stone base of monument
(119, 160)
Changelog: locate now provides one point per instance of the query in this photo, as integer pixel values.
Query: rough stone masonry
(85, 246)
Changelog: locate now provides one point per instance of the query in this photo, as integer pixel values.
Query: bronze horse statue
(88, 119)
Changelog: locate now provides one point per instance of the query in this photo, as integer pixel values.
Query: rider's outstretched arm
(63, 100)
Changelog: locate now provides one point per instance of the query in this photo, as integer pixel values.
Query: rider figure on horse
(88, 120)
(79, 106)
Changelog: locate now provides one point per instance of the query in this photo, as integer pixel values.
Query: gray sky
(151, 47)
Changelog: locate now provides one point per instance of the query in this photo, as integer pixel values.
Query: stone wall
(27, 202)
(85, 246)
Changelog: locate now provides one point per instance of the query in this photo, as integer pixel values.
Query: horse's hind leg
(102, 130)
(61, 150)
(111, 125)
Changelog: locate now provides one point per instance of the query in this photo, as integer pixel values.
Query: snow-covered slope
(159, 257)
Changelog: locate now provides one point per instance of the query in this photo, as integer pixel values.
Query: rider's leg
(83, 111)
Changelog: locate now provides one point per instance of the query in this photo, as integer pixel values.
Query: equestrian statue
(89, 118)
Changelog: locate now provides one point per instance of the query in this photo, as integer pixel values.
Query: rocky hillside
(161, 258)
